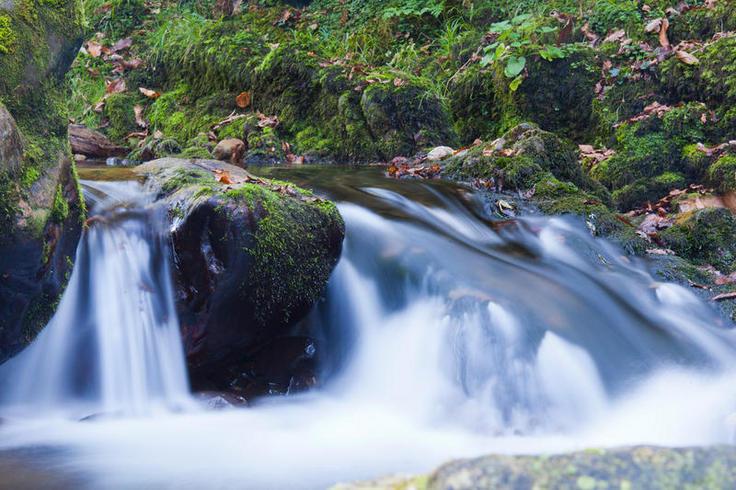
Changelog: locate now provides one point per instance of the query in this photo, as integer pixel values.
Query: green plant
(415, 8)
(514, 40)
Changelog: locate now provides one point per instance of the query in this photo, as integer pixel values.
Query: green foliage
(116, 18)
(608, 15)
(7, 36)
(523, 34)
(414, 8)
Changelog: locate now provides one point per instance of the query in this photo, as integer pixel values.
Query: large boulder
(519, 158)
(252, 257)
(641, 467)
(635, 467)
(41, 207)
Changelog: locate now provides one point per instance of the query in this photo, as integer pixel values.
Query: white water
(442, 349)
(113, 346)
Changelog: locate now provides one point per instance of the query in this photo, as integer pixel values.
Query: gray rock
(11, 146)
(648, 468)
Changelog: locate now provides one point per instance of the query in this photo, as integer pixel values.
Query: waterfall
(442, 335)
(113, 346)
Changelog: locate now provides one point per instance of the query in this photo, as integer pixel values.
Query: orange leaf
(224, 177)
(151, 94)
(243, 100)
(94, 49)
(687, 58)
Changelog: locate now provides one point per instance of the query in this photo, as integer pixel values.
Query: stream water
(442, 334)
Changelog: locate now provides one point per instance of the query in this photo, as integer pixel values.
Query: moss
(120, 116)
(638, 156)
(558, 95)
(608, 15)
(622, 100)
(7, 35)
(712, 80)
(722, 174)
(706, 237)
(703, 23)
(511, 172)
(694, 160)
(283, 235)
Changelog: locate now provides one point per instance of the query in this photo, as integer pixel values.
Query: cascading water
(113, 346)
(442, 335)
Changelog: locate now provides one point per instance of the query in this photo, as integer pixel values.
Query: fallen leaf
(687, 58)
(663, 40)
(223, 177)
(398, 82)
(267, 121)
(94, 49)
(116, 86)
(151, 94)
(133, 64)
(121, 45)
(724, 296)
(139, 120)
(615, 36)
(243, 100)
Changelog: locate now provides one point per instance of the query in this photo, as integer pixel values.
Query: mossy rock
(252, 258)
(702, 23)
(520, 156)
(41, 205)
(558, 95)
(712, 80)
(638, 467)
(404, 119)
(722, 173)
(706, 237)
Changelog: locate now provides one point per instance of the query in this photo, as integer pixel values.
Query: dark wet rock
(252, 256)
(282, 366)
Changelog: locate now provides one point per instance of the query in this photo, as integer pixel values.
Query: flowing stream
(443, 334)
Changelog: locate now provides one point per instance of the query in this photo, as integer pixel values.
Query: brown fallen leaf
(94, 49)
(132, 64)
(243, 100)
(115, 86)
(615, 36)
(724, 296)
(151, 94)
(265, 121)
(686, 57)
(121, 45)
(139, 120)
(589, 34)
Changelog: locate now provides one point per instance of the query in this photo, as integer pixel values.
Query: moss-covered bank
(41, 207)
